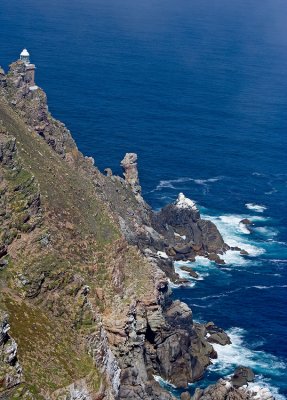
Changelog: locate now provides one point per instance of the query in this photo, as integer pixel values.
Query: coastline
(155, 234)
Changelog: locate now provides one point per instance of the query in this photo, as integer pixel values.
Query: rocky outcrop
(31, 103)
(241, 376)
(10, 368)
(129, 165)
(216, 334)
(224, 389)
(185, 233)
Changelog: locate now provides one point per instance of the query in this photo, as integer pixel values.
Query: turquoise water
(198, 89)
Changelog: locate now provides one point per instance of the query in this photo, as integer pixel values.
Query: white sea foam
(244, 228)
(266, 231)
(169, 184)
(231, 230)
(206, 181)
(237, 353)
(185, 274)
(163, 383)
(255, 207)
(189, 284)
(262, 382)
(174, 183)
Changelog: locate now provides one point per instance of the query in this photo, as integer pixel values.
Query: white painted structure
(25, 56)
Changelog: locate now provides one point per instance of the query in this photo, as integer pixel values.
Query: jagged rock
(185, 396)
(215, 257)
(10, 369)
(245, 221)
(183, 217)
(224, 389)
(108, 172)
(179, 314)
(129, 165)
(181, 281)
(197, 394)
(190, 271)
(241, 376)
(7, 149)
(216, 334)
(220, 338)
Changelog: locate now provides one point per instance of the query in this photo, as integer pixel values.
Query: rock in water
(190, 271)
(241, 376)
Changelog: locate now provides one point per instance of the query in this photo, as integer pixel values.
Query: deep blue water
(198, 89)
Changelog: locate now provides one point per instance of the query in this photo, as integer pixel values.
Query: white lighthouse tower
(25, 56)
(29, 69)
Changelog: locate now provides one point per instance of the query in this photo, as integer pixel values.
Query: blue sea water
(198, 89)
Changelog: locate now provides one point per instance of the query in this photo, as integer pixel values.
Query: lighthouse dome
(25, 53)
(25, 57)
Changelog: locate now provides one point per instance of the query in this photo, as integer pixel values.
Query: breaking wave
(237, 353)
(255, 207)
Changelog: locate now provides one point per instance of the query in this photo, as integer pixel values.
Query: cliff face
(83, 267)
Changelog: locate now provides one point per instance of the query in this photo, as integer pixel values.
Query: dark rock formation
(216, 334)
(224, 389)
(186, 234)
(190, 271)
(129, 165)
(245, 221)
(241, 376)
(10, 369)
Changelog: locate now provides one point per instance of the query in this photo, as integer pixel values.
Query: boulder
(241, 376)
(219, 338)
(216, 334)
(190, 271)
(245, 221)
(183, 249)
(185, 396)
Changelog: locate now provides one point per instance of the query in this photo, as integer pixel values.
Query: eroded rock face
(10, 368)
(31, 103)
(129, 165)
(185, 232)
(7, 149)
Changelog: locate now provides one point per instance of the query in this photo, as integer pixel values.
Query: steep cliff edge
(84, 264)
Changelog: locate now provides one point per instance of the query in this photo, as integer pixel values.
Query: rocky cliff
(84, 268)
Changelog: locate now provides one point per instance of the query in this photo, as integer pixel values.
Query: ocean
(198, 89)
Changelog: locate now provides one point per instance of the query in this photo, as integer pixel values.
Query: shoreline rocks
(190, 271)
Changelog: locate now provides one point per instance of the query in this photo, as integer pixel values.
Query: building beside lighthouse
(29, 68)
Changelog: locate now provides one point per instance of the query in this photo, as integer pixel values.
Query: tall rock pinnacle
(130, 167)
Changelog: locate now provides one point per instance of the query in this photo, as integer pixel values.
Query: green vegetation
(50, 353)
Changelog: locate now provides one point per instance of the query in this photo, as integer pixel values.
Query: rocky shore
(85, 265)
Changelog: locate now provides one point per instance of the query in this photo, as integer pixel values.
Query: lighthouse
(29, 68)
(25, 56)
